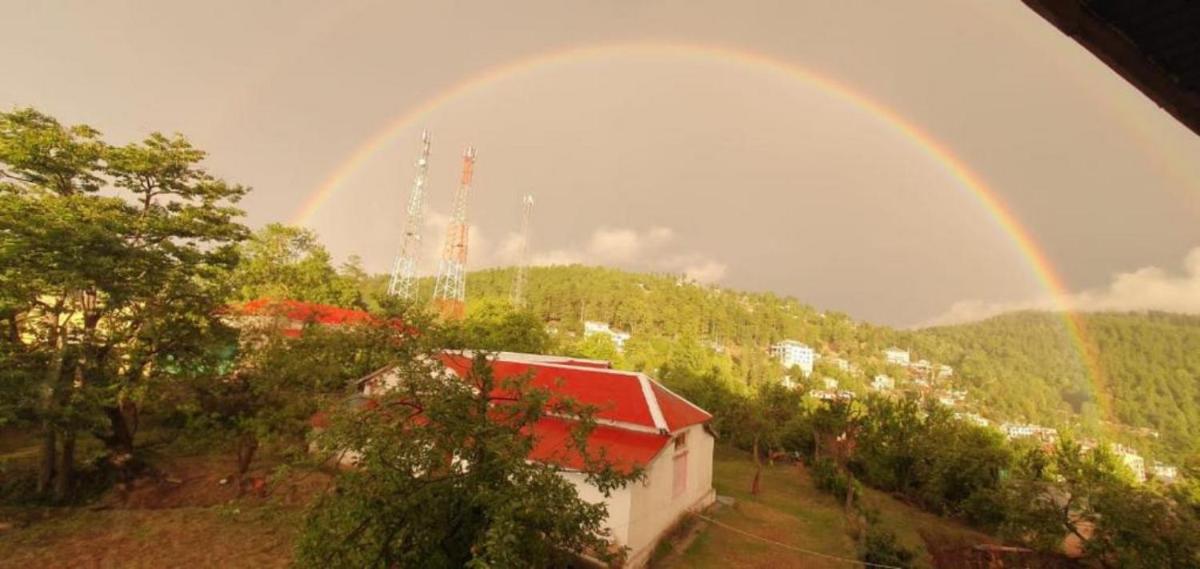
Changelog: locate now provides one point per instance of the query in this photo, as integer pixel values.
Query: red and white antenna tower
(404, 270)
(450, 289)
(518, 290)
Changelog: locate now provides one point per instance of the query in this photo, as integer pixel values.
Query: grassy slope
(791, 510)
(195, 526)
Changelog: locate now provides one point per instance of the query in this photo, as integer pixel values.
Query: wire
(794, 548)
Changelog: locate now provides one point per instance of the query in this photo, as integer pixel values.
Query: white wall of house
(639, 513)
(618, 503)
(656, 506)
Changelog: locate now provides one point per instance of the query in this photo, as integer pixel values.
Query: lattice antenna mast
(404, 271)
(518, 291)
(450, 289)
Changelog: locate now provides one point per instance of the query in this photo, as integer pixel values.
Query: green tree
(442, 479)
(496, 326)
(106, 287)
(285, 262)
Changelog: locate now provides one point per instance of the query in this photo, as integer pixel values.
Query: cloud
(1147, 288)
(653, 249)
(623, 245)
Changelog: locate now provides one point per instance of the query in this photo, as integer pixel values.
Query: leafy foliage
(442, 479)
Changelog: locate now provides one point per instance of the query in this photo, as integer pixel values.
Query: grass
(176, 537)
(791, 510)
(200, 524)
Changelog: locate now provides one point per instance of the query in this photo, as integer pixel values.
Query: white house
(1132, 460)
(592, 327)
(883, 383)
(896, 356)
(973, 418)
(641, 423)
(829, 383)
(1164, 472)
(791, 353)
(945, 371)
(840, 363)
(922, 367)
(1018, 430)
(617, 336)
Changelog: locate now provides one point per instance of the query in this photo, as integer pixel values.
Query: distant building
(592, 327)
(973, 418)
(1164, 472)
(945, 371)
(791, 353)
(896, 356)
(829, 383)
(921, 367)
(833, 394)
(1132, 460)
(883, 383)
(1019, 430)
(953, 398)
(842, 364)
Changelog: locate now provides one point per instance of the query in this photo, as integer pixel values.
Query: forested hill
(1024, 364)
(1020, 366)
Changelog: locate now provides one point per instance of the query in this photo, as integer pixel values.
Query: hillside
(1023, 364)
(1020, 366)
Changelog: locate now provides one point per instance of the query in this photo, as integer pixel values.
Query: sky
(651, 156)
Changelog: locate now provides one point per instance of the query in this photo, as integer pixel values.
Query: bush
(882, 547)
(828, 478)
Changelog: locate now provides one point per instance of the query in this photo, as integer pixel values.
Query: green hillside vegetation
(1018, 367)
(1024, 365)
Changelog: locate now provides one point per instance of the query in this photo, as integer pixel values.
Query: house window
(681, 441)
(681, 475)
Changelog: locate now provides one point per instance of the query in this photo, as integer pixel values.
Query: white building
(896, 356)
(922, 367)
(1019, 430)
(973, 418)
(829, 383)
(640, 424)
(945, 371)
(1132, 460)
(1164, 472)
(842, 364)
(883, 383)
(592, 327)
(791, 353)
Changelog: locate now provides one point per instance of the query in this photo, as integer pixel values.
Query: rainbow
(1038, 262)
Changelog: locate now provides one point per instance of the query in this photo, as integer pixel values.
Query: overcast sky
(656, 160)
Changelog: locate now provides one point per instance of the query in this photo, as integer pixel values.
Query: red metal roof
(619, 396)
(677, 411)
(629, 437)
(622, 448)
(304, 311)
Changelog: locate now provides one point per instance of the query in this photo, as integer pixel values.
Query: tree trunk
(247, 446)
(120, 444)
(64, 479)
(49, 407)
(48, 459)
(755, 486)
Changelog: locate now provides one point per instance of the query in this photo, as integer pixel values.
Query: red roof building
(641, 424)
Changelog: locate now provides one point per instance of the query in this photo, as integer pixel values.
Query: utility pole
(404, 271)
(450, 289)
